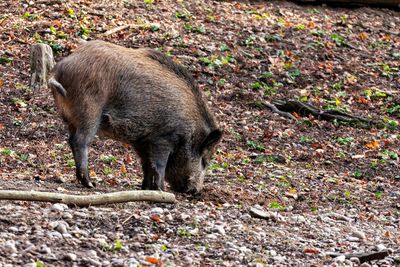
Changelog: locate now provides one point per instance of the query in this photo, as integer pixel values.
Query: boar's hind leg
(79, 140)
(154, 162)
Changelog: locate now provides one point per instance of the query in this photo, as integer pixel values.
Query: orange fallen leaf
(1, 82)
(362, 100)
(126, 145)
(155, 218)
(153, 260)
(123, 168)
(372, 145)
(92, 174)
(2, 126)
(128, 158)
(311, 250)
(363, 36)
(311, 24)
(295, 114)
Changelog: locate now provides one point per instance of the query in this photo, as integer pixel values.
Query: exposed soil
(327, 187)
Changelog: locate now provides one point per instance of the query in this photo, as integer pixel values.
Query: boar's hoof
(88, 184)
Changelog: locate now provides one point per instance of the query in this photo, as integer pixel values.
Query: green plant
(107, 170)
(255, 145)
(344, 140)
(182, 232)
(30, 16)
(71, 163)
(357, 174)
(338, 39)
(184, 15)
(378, 195)
(117, 245)
(276, 205)
(7, 152)
(108, 158)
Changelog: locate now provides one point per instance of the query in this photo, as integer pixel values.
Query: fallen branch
(124, 27)
(89, 200)
(287, 107)
(364, 257)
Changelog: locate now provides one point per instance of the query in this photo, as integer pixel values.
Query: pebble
(359, 234)
(220, 229)
(117, 262)
(67, 216)
(71, 257)
(45, 249)
(62, 227)
(381, 247)
(92, 253)
(273, 253)
(58, 207)
(157, 210)
(340, 258)
(10, 246)
(258, 213)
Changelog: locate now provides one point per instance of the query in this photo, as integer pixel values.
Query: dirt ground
(327, 189)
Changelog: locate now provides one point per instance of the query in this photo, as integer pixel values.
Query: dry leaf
(92, 173)
(155, 218)
(372, 145)
(363, 36)
(123, 168)
(153, 260)
(311, 250)
(1, 83)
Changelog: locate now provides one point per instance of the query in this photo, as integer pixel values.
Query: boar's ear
(211, 140)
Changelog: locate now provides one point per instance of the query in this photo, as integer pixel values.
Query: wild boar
(141, 97)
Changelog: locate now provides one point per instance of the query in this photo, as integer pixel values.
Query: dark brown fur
(138, 96)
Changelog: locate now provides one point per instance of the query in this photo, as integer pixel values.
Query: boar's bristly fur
(141, 97)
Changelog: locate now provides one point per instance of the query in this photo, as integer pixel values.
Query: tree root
(288, 107)
(89, 200)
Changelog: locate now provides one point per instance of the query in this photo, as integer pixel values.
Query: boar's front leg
(154, 161)
(79, 140)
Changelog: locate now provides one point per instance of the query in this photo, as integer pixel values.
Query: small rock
(381, 247)
(157, 210)
(117, 262)
(67, 216)
(273, 253)
(13, 229)
(220, 229)
(365, 264)
(355, 260)
(353, 239)
(10, 246)
(340, 258)
(188, 260)
(59, 207)
(185, 216)
(133, 262)
(45, 249)
(92, 253)
(258, 213)
(62, 227)
(338, 216)
(71, 257)
(359, 234)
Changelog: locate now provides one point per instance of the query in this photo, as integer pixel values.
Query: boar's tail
(60, 89)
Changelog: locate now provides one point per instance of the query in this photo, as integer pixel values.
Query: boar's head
(187, 166)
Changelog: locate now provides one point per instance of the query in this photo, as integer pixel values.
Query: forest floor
(328, 188)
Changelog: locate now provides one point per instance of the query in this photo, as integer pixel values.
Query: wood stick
(124, 27)
(89, 200)
(363, 257)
